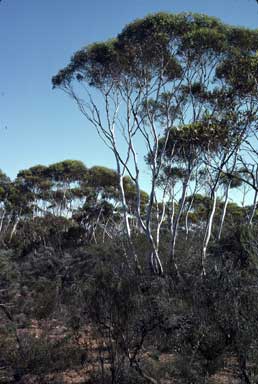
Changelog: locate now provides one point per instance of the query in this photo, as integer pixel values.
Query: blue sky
(39, 125)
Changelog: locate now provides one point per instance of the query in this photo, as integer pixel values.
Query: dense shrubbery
(184, 328)
(71, 298)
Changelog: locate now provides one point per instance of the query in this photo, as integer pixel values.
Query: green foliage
(145, 45)
(67, 170)
(241, 72)
(41, 357)
(149, 325)
(188, 140)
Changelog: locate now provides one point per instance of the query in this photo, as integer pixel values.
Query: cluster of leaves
(166, 40)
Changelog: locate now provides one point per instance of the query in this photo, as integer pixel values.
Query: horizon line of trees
(90, 198)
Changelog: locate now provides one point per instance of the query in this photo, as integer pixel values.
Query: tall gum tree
(162, 71)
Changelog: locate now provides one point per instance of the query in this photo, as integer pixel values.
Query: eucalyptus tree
(100, 193)
(200, 208)
(235, 119)
(186, 146)
(197, 184)
(228, 182)
(18, 205)
(160, 72)
(102, 207)
(131, 196)
(66, 177)
(36, 180)
(241, 73)
(101, 183)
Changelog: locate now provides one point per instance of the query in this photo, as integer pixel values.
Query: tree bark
(208, 231)
(225, 205)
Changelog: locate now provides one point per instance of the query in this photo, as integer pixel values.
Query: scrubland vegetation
(103, 282)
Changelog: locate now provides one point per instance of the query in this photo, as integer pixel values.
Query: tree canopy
(182, 85)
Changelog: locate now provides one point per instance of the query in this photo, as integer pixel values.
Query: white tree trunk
(126, 221)
(252, 213)
(2, 220)
(225, 205)
(14, 228)
(207, 235)
(174, 228)
(187, 216)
